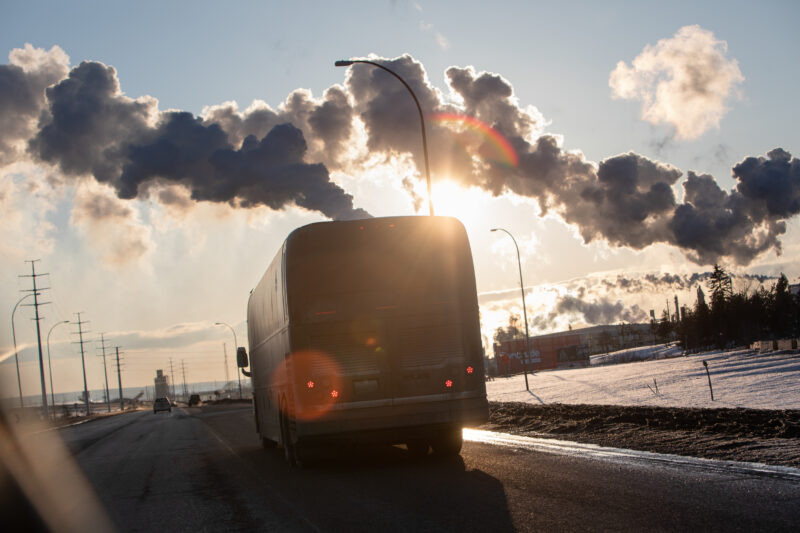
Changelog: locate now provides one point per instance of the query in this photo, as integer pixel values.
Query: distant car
(161, 404)
(194, 399)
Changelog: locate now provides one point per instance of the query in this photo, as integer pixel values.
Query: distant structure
(162, 384)
(567, 349)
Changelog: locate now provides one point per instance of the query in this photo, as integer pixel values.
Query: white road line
(562, 447)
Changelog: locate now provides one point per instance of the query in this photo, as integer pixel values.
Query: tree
(664, 327)
(780, 313)
(720, 286)
(511, 331)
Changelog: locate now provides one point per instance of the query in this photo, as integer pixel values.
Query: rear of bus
(385, 332)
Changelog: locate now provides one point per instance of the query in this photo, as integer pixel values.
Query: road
(201, 469)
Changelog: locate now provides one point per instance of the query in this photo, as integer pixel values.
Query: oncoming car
(161, 404)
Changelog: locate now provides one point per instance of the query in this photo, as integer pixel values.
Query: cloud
(175, 336)
(91, 128)
(684, 81)
(626, 200)
(281, 157)
(26, 201)
(110, 225)
(22, 94)
(744, 222)
(599, 311)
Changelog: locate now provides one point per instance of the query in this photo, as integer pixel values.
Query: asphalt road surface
(202, 469)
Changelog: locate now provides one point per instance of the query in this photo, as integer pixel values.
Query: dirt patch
(752, 435)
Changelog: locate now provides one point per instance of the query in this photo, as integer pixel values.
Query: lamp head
(343, 63)
(493, 229)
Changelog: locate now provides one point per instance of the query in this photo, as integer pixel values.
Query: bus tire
(286, 439)
(448, 443)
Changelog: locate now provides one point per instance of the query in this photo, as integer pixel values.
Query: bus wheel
(447, 443)
(288, 447)
(417, 448)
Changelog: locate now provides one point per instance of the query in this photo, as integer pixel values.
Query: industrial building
(567, 349)
(161, 384)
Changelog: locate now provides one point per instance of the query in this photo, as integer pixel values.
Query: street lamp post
(16, 356)
(348, 62)
(524, 310)
(50, 368)
(235, 347)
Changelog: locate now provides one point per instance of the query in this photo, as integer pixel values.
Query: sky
(155, 158)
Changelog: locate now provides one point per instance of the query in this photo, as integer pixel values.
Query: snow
(740, 378)
(662, 351)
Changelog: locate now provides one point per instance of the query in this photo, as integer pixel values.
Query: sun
(454, 200)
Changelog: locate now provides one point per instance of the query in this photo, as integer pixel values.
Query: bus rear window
(374, 270)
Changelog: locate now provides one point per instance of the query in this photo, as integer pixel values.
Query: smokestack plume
(282, 157)
(90, 128)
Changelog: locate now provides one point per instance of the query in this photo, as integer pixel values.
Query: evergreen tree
(511, 331)
(781, 319)
(720, 286)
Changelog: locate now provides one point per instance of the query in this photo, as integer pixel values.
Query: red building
(547, 351)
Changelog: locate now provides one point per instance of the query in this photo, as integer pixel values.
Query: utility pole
(183, 371)
(119, 379)
(80, 324)
(16, 354)
(36, 304)
(225, 352)
(105, 370)
(172, 378)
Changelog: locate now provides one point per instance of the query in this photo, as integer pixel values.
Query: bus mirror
(241, 357)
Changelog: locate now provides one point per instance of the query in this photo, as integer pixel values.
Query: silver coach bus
(367, 331)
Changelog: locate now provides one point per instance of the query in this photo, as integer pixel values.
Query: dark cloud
(326, 123)
(599, 311)
(279, 157)
(770, 185)
(669, 282)
(22, 94)
(91, 128)
(626, 200)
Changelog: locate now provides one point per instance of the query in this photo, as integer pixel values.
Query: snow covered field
(742, 378)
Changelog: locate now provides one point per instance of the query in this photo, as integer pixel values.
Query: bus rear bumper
(395, 420)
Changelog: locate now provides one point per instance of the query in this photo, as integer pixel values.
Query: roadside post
(705, 364)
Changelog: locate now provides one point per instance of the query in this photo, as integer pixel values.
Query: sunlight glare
(466, 204)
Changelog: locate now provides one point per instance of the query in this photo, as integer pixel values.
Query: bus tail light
(449, 383)
(310, 384)
(334, 393)
(470, 370)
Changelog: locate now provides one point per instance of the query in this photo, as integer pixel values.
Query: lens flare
(503, 152)
(308, 370)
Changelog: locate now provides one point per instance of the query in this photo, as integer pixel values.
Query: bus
(367, 331)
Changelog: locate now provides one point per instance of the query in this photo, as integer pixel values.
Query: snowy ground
(742, 378)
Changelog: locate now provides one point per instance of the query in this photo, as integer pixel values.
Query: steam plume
(281, 157)
(90, 127)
